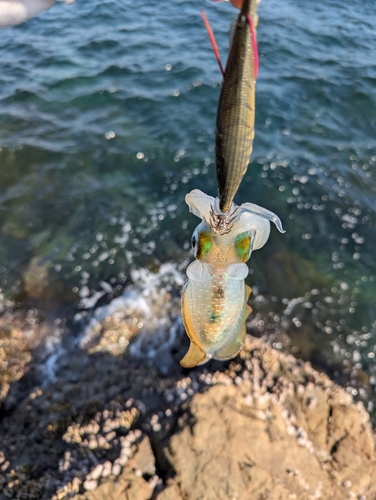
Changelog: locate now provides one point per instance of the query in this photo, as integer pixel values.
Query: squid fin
(194, 357)
(248, 308)
(195, 354)
(254, 45)
(212, 41)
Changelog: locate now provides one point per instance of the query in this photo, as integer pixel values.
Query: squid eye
(194, 242)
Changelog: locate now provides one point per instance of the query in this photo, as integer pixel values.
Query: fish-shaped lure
(214, 301)
(236, 108)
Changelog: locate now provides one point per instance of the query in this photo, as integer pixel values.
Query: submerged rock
(18, 336)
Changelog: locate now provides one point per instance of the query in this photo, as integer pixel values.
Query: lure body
(236, 108)
(214, 301)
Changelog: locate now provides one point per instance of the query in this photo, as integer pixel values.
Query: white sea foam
(148, 312)
(146, 318)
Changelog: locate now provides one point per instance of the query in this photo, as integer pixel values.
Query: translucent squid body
(214, 300)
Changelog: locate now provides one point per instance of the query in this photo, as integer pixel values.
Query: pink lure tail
(213, 42)
(254, 45)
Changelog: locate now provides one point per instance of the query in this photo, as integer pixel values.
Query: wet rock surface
(263, 426)
(19, 334)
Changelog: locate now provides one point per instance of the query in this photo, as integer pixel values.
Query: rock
(171, 492)
(35, 277)
(127, 487)
(309, 442)
(232, 453)
(263, 426)
(19, 332)
(143, 459)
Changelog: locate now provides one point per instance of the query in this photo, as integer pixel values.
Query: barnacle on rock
(20, 485)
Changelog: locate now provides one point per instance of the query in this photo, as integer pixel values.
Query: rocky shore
(263, 426)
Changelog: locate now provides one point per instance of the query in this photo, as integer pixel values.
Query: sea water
(107, 117)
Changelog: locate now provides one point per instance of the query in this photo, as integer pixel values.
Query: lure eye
(193, 241)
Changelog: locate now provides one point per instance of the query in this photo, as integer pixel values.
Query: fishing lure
(236, 108)
(214, 300)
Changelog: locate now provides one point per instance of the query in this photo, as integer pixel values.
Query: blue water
(107, 113)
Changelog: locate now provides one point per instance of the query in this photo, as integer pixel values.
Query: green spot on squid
(204, 244)
(243, 246)
(215, 318)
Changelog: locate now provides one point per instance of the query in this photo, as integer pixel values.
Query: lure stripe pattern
(236, 111)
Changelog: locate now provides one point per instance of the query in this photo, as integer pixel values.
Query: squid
(214, 299)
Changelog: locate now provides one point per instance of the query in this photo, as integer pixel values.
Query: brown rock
(127, 487)
(266, 426)
(171, 492)
(143, 459)
(298, 437)
(229, 453)
(19, 334)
